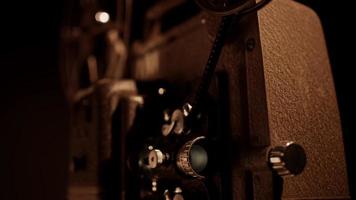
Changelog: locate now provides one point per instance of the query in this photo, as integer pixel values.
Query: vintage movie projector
(204, 99)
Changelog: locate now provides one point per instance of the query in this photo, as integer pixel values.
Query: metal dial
(288, 159)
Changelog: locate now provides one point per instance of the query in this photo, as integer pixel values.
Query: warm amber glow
(161, 91)
(102, 17)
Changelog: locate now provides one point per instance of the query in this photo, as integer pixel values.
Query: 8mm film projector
(210, 100)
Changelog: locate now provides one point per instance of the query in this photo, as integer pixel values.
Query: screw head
(250, 44)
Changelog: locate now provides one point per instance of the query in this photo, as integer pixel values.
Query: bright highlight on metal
(102, 17)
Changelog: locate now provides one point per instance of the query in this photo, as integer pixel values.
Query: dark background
(33, 111)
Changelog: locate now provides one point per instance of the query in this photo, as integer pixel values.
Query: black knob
(288, 159)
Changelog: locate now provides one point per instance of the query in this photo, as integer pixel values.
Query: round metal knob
(156, 158)
(178, 194)
(192, 158)
(287, 160)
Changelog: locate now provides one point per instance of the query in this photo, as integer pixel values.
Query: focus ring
(183, 158)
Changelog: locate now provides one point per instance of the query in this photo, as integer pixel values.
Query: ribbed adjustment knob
(288, 159)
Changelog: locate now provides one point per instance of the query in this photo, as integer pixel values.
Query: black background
(33, 111)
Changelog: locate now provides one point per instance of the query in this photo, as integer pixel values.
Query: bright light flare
(161, 91)
(102, 17)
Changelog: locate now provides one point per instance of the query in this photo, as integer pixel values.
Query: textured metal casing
(301, 98)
